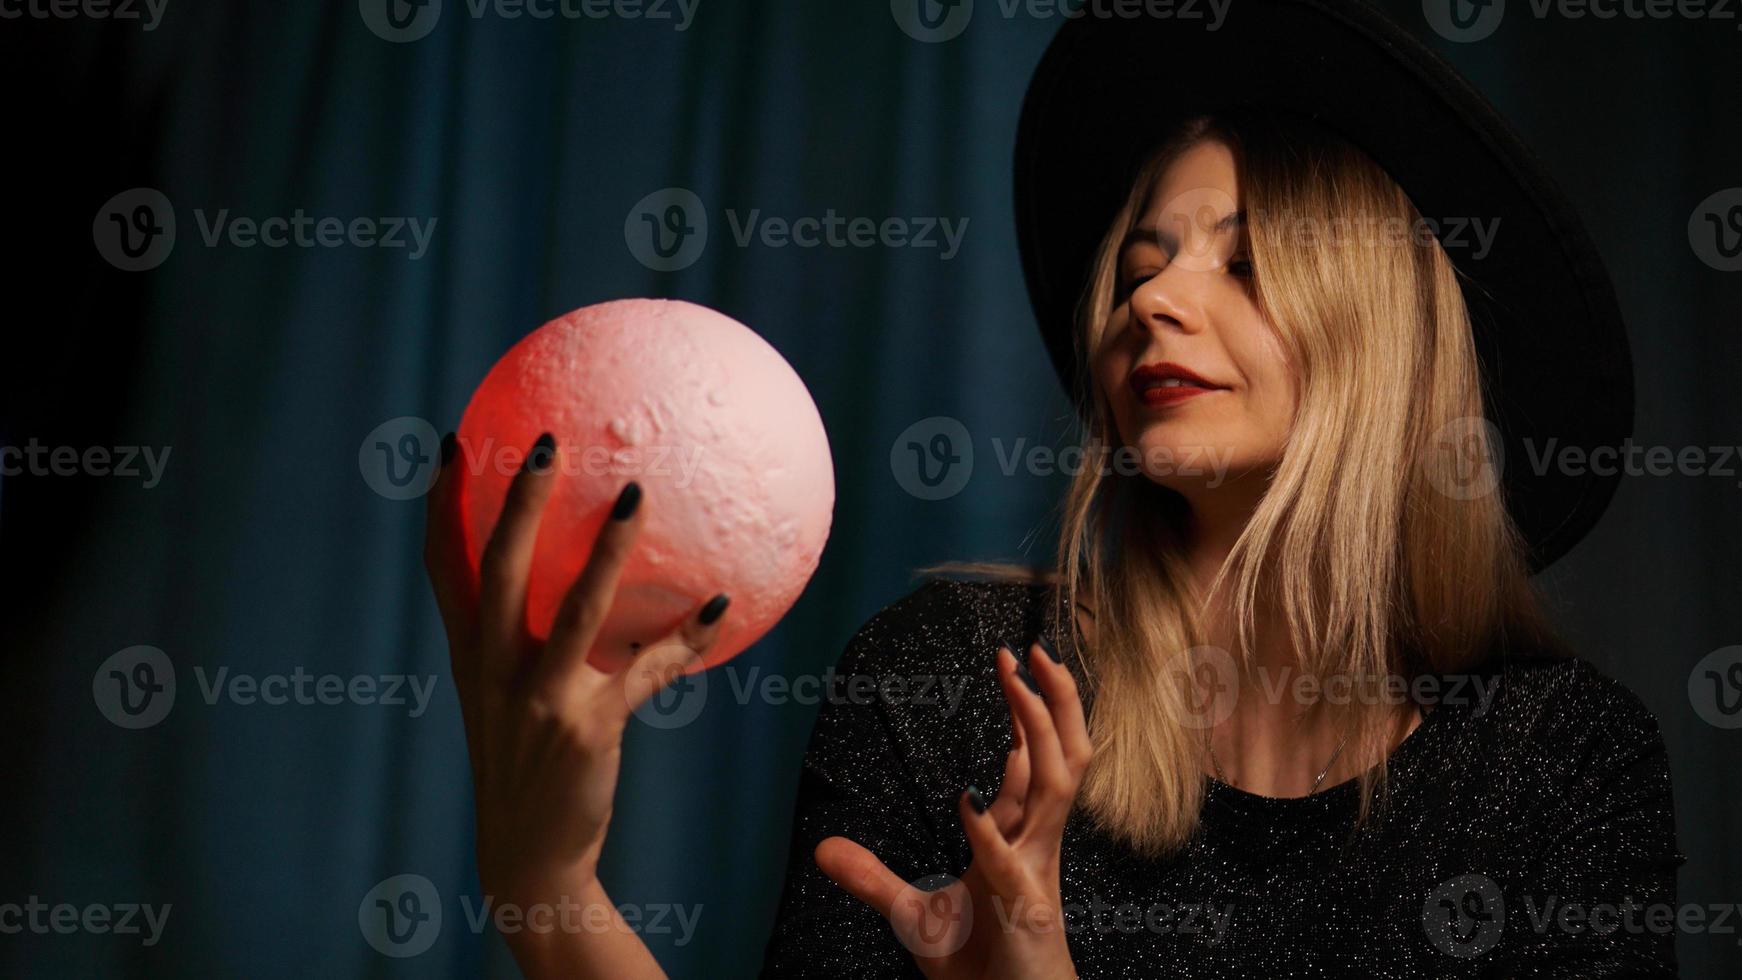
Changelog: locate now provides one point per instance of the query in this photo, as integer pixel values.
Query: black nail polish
(450, 442)
(1051, 651)
(538, 460)
(626, 503)
(975, 800)
(1027, 678)
(715, 608)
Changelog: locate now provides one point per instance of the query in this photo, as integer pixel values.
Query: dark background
(264, 548)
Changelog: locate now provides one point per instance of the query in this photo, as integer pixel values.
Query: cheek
(1271, 391)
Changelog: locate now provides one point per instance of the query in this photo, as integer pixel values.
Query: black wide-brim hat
(1548, 330)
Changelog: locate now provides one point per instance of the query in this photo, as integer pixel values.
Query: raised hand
(1003, 918)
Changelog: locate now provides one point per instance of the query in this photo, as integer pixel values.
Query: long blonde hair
(1375, 564)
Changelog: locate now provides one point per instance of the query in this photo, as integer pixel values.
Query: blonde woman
(1287, 706)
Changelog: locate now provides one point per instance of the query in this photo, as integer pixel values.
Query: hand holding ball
(710, 420)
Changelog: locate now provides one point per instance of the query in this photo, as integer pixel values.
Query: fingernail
(975, 800)
(714, 609)
(538, 460)
(1051, 651)
(1026, 677)
(450, 442)
(627, 501)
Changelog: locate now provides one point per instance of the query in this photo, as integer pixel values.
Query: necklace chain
(1326, 771)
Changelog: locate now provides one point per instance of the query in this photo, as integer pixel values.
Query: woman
(1295, 713)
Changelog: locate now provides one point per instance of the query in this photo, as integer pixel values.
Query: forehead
(1199, 183)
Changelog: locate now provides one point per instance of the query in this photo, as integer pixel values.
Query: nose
(1171, 300)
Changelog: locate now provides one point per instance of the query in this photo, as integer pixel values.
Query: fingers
(455, 586)
(507, 557)
(992, 852)
(589, 598)
(859, 872)
(444, 549)
(1006, 810)
(1052, 781)
(667, 660)
(1065, 704)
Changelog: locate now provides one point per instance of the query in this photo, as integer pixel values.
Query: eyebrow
(1147, 233)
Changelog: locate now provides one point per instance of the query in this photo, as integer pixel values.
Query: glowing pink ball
(731, 455)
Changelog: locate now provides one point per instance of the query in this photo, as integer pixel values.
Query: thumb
(931, 924)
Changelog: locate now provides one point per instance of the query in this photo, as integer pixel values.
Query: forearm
(578, 932)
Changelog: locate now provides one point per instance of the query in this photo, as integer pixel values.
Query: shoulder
(920, 676)
(1567, 697)
(1564, 723)
(950, 624)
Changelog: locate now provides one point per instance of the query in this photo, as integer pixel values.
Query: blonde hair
(1372, 567)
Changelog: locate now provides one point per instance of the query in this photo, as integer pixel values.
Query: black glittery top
(1529, 833)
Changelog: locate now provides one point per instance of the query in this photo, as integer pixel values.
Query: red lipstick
(1166, 383)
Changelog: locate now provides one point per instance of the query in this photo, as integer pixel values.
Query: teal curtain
(524, 146)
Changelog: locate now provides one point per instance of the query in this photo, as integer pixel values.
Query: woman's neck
(1269, 743)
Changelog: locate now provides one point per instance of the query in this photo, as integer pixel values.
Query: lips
(1166, 383)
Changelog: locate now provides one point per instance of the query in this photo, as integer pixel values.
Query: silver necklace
(1326, 771)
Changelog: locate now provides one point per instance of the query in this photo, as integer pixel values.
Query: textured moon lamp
(718, 429)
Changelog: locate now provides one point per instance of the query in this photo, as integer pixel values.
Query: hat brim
(1548, 331)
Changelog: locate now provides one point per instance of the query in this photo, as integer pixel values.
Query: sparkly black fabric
(1511, 822)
